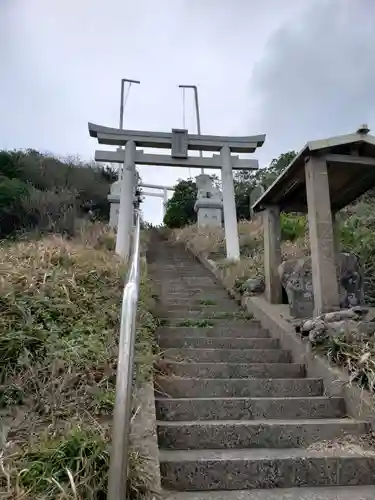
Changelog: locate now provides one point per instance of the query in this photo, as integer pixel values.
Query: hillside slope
(59, 323)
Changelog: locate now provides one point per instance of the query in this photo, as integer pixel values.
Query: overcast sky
(295, 70)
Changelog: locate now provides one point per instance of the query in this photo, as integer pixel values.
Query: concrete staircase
(234, 412)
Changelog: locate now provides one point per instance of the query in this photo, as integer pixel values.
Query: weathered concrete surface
(217, 343)
(226, 434)
(237, 388)
(249, 408)
(323, 259)
(143, 432)
(272, 254)
(232, 370)
(227, 355)
(252, 330)
(332, 493)
(197, 470)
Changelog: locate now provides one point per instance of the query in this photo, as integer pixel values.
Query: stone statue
(255, 194)
(209, 202)
(114, 200)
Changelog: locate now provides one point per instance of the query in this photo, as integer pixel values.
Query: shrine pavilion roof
(351, 172)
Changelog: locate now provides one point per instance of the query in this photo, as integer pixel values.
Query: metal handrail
(118, 469)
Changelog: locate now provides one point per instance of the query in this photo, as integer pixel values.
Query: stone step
(250, 330)
(307, 493)
(207, 285)
(177, 267)
(225, 434)
(182, 272)
(263, 468)
(237, 388)
(203, 312)
(188, 354)
(231, 370)
(198, 294)
(190, 283)
(249, 408)
(180, 264)
(228, 355)
(213, 322)
(184, 290)
(217, 343)
(196, 303)
(187, 296)
(197, 306)
(167, 277)
(191, 278)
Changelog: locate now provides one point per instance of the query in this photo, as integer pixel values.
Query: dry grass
(210, 243)
(353, 352)
(59, 322)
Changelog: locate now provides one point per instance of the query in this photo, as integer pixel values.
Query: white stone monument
(209, 202)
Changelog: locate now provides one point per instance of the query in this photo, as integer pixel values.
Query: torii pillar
(125, 219)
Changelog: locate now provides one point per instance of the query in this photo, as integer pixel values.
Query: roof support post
(230, 217)
(272, 254)
(125, 218)
(322, 242)
(336, 235)
(165, 201)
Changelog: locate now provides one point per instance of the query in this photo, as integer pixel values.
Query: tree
(246, 181)
(266, 176)
(180, 208)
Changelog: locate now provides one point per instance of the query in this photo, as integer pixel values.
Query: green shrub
(357, 235)
(13, 192)
(293, 226)
(180, 208)
(40, 190)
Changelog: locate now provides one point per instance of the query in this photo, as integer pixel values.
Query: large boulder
(296, 278)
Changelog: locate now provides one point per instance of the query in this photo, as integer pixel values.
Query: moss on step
(208, 302)
(196, 323)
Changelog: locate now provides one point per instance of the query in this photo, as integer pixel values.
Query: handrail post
(118, 470)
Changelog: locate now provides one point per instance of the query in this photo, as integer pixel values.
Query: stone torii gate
(156, 195)
(163, 195)
(115, 196)
(180, 142)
